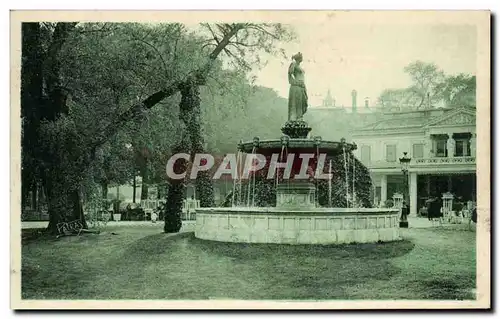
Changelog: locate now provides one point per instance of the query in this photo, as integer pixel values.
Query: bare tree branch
(197, 76)
(157, 52)
(261, 29)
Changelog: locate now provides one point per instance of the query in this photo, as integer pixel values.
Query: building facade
(441, 144)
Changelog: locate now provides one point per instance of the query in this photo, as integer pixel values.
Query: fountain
(297, 216)
(323, 201)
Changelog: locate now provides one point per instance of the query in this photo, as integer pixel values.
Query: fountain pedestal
(295, 194)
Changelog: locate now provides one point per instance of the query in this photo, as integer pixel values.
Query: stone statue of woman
(297, 96)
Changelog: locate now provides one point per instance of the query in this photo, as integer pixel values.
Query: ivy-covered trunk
(190, 114)
(172, 209)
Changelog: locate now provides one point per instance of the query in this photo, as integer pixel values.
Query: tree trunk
(66, 204)
(34, 193)
(77, 213)
(176, 191)
(145, 180)
(134, 190)
(64, 200)
(62, 193)
(190, 114)
(104, 188)
(42, 199)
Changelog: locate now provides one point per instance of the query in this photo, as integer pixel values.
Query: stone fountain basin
(322, 226)
(304, 145)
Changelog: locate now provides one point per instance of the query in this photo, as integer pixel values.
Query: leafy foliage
(426, 78)
(430, 87)
(95, 92)
(459, 90)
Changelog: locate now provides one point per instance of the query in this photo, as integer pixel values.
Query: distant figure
(154, 217)
(405, 211)
(434, 210)
(297, 97)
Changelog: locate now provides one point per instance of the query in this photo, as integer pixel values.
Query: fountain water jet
(330, 184)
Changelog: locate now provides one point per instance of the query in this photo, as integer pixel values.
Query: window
(365, 154)
(390, 153)
(418, 150)
(440, 148)
(462, 147)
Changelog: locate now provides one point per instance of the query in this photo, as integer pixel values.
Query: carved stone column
(413, 193)
(473, 145)
(383, 189)
(450, 145)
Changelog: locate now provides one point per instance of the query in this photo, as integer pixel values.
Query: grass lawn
(144, 263)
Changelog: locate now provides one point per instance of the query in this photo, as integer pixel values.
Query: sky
(368, 57)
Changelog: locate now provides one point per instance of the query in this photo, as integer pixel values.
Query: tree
(429, 87)
(125, 65)
(31, 99)
(426, 79)
(45, 101)
(393, 99)
(255, 112)
(229, 38)
(114, 163)
(459, 90)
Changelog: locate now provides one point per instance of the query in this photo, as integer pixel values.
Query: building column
(383, 189)
(473, 145)
(412, 186)
(428, 147)
(450, 145)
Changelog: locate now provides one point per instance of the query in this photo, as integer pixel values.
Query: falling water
(330, 185)
(235, 180)
(240, 172)
(316, 202)
(277, 171)
(353, 180)
(249, 184)
(253, 190)
(346, 179)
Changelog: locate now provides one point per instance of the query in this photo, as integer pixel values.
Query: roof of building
(395, 123)
(418, 118)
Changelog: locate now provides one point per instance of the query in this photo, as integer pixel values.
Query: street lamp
(405, 162)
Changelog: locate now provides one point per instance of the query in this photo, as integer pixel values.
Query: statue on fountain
(297, 97)
(296, 127)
